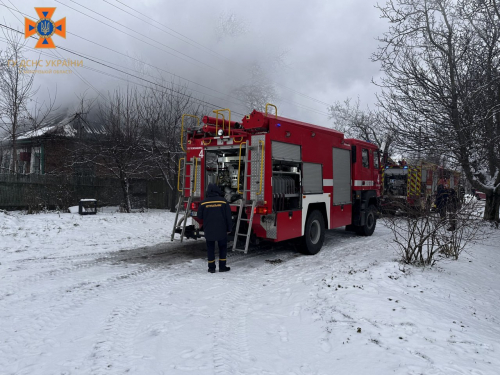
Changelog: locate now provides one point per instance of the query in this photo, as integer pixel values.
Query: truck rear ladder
(244, 201)
(180, 226)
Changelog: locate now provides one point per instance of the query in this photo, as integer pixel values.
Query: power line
(208, 49)
(196, 44)
(99, 71)
(92, 58)
(314, 110)
(54, 53)
(130, 35)
(134, 83)
(218, 70)
(132, 75)
(173, 74)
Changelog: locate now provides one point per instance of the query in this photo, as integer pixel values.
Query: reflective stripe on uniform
(211, 261)
(222, 259)
(211, 202)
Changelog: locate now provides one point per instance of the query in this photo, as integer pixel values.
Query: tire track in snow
(230, 334)
(231, 351)
(169, 253)
(40, 322)
(36, 324)
(16, 287)
(113, 348)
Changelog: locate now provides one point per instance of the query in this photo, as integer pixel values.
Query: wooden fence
(19, 191)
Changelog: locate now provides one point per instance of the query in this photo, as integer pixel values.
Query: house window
(36, 163)
(375, 160)
(21, 167)
(364, 157)
(6, 162)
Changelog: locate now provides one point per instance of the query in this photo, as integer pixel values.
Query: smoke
(303, 56)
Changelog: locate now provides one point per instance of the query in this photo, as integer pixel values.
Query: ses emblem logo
(45, 28)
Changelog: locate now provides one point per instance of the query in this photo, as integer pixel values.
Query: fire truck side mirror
(353, 154)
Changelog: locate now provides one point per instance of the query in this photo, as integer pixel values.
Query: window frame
(363, 159)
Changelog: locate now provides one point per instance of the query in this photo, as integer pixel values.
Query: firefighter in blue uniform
(217, 224)
(441, 200)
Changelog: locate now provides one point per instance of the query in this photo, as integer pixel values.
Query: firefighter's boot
(211, 266)
(222, 266)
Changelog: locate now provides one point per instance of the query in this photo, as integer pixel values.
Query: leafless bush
(464, 228)
(415, 235)
(421, 235)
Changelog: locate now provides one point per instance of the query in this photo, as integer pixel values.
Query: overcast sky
(325, 48)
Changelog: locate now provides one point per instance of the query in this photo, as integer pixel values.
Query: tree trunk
(14, 144)
(173, 200)
(492, 207)
(126, 191)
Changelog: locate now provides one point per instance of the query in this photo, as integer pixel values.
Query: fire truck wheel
(314, 233)
(370, 222)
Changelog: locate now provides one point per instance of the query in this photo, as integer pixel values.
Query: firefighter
(461, 196)
(453, 204)
(217, 224)
(441, 200)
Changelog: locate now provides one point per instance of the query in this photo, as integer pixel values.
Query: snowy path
(351, 309)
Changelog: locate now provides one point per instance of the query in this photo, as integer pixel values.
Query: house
(47, 149)
(51, 160)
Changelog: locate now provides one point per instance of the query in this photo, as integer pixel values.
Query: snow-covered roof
(63, 129)
(60, 125)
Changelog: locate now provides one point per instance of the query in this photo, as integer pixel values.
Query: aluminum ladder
(245, 202)
(181, 224)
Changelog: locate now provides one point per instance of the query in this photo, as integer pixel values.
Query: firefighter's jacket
(441, 197)
(216, 215)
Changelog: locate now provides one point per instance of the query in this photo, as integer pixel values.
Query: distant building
(45, 150)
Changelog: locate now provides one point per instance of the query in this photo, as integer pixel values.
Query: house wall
(49, 179)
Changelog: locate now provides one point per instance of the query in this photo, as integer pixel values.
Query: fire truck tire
(314, 233)
(370, 222)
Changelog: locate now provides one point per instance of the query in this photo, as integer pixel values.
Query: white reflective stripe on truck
(363, 182)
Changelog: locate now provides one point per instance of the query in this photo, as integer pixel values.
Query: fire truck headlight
(220, 132)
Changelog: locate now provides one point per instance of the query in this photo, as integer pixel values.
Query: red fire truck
(414, 185)
(284, 179)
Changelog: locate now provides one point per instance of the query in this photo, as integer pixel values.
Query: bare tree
(355, 122)
(20, 109)
(16, 90)
(253, 83)
(114, 144)
(229, 25)
(162, 110)
(441, 84)
(259, 89)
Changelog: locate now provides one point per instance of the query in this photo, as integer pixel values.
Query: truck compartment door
(341, 176)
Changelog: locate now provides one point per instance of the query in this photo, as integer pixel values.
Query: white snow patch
(110, 294)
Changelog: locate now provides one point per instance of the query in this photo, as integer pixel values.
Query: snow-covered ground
(110, 294)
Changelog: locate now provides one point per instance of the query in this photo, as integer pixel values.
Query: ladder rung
(243, 235)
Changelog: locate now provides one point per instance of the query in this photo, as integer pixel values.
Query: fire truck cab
(284, 179)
